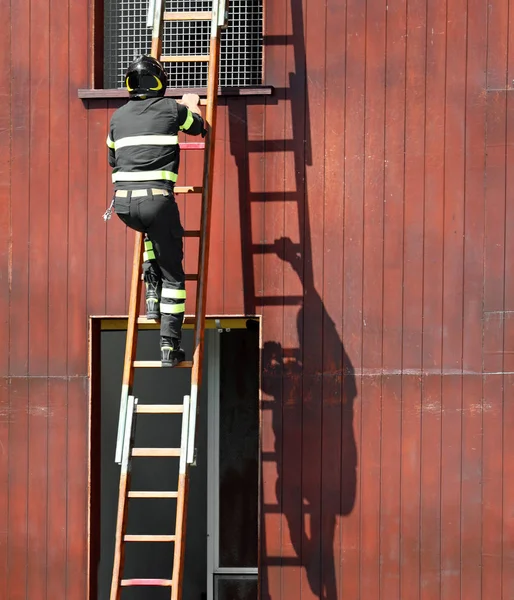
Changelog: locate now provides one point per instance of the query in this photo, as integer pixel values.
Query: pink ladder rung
(192, 145)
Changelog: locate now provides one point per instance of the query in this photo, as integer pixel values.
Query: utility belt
(139, 193)
(133, 194)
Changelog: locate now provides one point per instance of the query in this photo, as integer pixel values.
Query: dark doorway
(231, 376)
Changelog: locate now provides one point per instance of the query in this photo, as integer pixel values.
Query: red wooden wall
(367, 207)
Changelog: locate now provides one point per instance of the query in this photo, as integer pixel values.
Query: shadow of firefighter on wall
(313, 542)
(312, 406)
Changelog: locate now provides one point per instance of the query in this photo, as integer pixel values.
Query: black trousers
(158, 217)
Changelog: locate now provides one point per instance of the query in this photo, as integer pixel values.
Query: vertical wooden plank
(434, 193)
(509, 208)
(430, 517)
(472, 433)
(353, 263)
(338, 469)
(215, 298)
(392, 300)
(373, 289)
(76, 492)
(299, 578)
(508, 488)
(234, 125)
(57, 302)
(251, 210)
(412, 299)
(5, 277)
(78, 196)
(18, 429)
(97, 285)
(318, 578)
(5, 195)
(57, 484)
(410, 487)
(76, 459)
(20, 127)
(57, 305)
(38, 270)
(508, 411)
(452, 417)
(492, 487)
(494, 299)
(494, 260)
(471, 536)
(451, 477)
(37, 486)
(17, 588)
(38, 188)
(59, 168)
(116, 277)
(5, 417)
(430, 536)
(277, 491)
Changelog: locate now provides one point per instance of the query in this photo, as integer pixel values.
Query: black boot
(171, 352)
(153, 299)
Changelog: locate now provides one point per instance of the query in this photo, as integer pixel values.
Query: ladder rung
(160, 409)
(149, 538)
(186, 364)
(192, 233)
(156, 452)
(187, 189)
(146, 582)
(192, 58)
(191, 277)
(192, 15)
(192, 145)
(153, 494)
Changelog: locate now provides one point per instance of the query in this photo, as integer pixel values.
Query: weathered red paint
(365, 211)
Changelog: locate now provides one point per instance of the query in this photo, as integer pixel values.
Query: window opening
(126, 37)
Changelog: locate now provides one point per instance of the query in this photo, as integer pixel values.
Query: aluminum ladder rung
(191, 233)
(137, 494)
(149, 538)
(146, 582)
(191, 277)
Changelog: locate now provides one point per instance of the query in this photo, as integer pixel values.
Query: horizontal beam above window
(260, 90)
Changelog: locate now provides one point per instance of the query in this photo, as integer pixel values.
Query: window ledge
(259, 90)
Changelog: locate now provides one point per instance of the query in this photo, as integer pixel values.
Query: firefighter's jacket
(143, 142)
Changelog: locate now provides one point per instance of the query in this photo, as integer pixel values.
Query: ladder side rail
(201, 293)
(158, 7)
(183, 490)
(130, 347)
(121, 519)
(206, 210)
(155, 14)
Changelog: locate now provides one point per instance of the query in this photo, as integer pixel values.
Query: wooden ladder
(129, 408)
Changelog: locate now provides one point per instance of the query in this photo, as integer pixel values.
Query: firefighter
(144, 153)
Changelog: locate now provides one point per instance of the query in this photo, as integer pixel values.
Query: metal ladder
(129, 408)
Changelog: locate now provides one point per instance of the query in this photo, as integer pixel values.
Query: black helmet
(146, 78)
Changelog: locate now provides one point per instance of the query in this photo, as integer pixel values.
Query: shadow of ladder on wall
(129, 408)
(297, 143)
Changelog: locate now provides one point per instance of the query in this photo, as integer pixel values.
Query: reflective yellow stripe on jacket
(144, 176)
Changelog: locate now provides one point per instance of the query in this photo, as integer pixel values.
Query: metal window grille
(126, 37)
